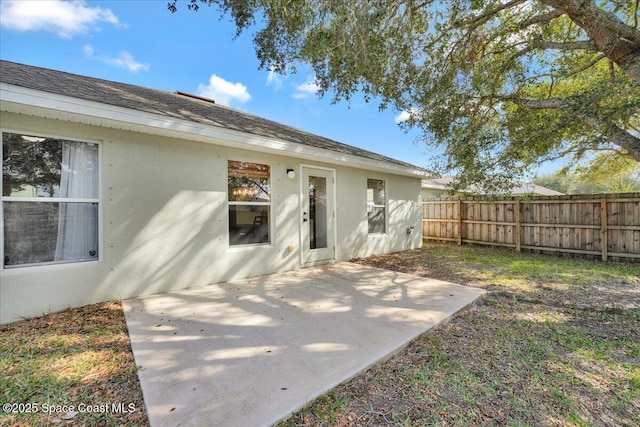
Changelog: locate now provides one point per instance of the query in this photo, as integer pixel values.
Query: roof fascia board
(155, 124)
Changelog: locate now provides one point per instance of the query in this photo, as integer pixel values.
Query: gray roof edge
(173, 105)
(443, 183)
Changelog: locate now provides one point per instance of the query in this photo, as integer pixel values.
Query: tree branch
(527, 23)
(607, 128)
(586, 66)
(575, 45)
(539, 19)
(616, 135)
(488, 14)
(619, 41)
(561, 154)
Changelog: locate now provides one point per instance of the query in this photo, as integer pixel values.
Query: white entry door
(318, 219)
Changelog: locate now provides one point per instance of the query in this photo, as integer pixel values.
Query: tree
(500, 84)
(610, 174)
(30, 162)
(560, 181)
(604, 173)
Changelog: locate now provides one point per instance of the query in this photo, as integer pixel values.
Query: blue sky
(142, 43)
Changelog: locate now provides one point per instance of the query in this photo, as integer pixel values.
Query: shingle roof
(444, 182)
(170, 104)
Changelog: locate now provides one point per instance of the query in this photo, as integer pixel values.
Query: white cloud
(224, 92)
(402, 117)
(274, 79)
(123, 60)
(88, 50)
(64, 18)
(406, 115)
(304, 90)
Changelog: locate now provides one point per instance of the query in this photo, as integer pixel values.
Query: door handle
(304, 217)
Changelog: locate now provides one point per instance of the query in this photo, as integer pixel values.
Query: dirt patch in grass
(70, 368)
(555, 342)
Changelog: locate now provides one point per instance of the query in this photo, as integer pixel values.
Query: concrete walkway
(251, 352)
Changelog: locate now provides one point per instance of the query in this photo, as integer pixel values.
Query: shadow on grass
(73, 366)
(556, 342)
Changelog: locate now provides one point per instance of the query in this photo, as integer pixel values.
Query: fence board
(603, 225)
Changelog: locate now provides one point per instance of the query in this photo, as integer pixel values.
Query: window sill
(49, 265)
(250, 246)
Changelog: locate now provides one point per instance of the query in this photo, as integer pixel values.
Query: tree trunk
(611, 131)
(617, 40)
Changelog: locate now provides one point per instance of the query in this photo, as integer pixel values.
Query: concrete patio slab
(251, 352)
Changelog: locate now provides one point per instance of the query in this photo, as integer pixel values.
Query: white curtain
(78, 222)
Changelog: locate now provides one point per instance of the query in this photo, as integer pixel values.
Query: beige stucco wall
(164, 221)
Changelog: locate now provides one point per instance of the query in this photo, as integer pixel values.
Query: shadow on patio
(251, 352)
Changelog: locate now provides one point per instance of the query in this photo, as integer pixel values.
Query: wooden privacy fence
(600, 225)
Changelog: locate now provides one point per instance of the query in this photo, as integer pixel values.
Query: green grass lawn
(555, 341)
(70, 368)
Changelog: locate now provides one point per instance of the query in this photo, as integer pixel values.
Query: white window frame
(269, 204)
(384, 206)
(98, 201)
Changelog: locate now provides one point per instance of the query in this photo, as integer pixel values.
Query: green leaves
(500, 85)
(604, 173)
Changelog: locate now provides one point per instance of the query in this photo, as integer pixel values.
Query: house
(439, 188)
(112, 191)
(533, 190)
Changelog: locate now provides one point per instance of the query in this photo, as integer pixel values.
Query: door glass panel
(317, 212)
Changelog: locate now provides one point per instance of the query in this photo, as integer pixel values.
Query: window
(49, 200)
(249, 203)
(317, 212)
(376, 205)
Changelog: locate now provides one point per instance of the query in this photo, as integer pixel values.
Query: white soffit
(17, 99)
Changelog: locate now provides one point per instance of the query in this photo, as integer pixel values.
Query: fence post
(459, 222)
(517, 217)
(604, 235)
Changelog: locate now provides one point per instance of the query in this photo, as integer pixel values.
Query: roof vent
(191, 95)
